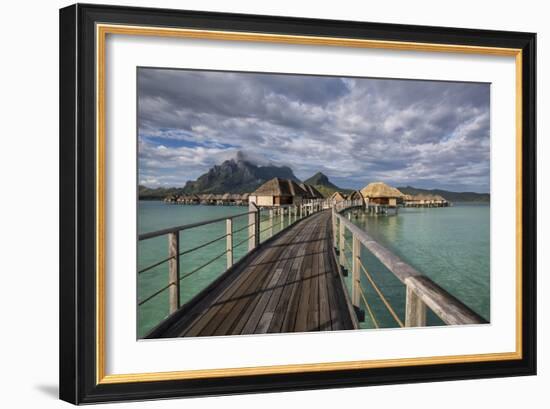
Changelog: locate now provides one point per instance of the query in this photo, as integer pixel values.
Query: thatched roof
(380, 189)
(312, 192)
(210, 196)
(337, 196)
(244, 196)
(280, 187)
(226, 196)
(354, 195)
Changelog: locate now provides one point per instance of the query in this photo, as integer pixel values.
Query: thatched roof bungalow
(337, 197)
(355, 195)
(225, 199)
(425, 200)
(278, 192)
(193, 199)
(312, 192)
(382, 194)
(170, 199)
(208, 199)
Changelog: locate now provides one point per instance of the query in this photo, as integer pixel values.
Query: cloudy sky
(355, 130)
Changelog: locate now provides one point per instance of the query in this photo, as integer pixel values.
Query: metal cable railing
(253, 238)
(203, 265)
(421, 292)
(240, 243)
(381, 295)
(369, 309)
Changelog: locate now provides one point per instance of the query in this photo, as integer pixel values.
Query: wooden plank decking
(290, 284)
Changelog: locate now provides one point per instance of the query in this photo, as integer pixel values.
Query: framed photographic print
(258, 203)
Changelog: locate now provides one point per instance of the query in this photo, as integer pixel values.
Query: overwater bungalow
(425, 200)
(312, 192)
(378, 193)
(226, 199)
(170, 199)
(355, 195)
(192, 199)
(278, 192)
(208, 199)
(244, 199)
(440, 201)
(337, 197)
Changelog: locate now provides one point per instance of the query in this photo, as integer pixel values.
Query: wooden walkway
(289, 284)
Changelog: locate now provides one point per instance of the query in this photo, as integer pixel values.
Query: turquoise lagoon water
(450, 245)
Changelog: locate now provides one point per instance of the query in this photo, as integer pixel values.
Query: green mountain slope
(322, 183)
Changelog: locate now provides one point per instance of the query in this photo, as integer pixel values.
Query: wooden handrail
(152, 234)
(421, 290)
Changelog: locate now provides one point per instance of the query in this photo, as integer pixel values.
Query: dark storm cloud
(423, 133)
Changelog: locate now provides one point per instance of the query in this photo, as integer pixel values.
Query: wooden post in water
(174, 272)
(342, 258)
(355, 273)
(415, 309)
(229, 241)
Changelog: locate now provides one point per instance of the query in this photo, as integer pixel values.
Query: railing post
(253, 226)
(334, 234)
(270, 223)
(355, 273)
(229, 241)
(342, 242)
(257, 229)
(174, 271)
(282, 217)
(415, 309)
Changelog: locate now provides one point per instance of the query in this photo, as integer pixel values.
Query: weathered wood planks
(290, 285)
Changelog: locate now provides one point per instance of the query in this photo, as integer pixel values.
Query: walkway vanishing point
(294, 281)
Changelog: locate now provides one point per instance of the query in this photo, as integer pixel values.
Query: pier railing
(273, 218)
(421, 291)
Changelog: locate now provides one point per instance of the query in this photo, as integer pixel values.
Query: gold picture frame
(99, 20)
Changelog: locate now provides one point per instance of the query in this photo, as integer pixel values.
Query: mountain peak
(237, 175)
(319, 179)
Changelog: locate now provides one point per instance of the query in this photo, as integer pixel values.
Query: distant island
(241, 176)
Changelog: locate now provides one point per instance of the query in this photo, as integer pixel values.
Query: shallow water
(449, 245)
